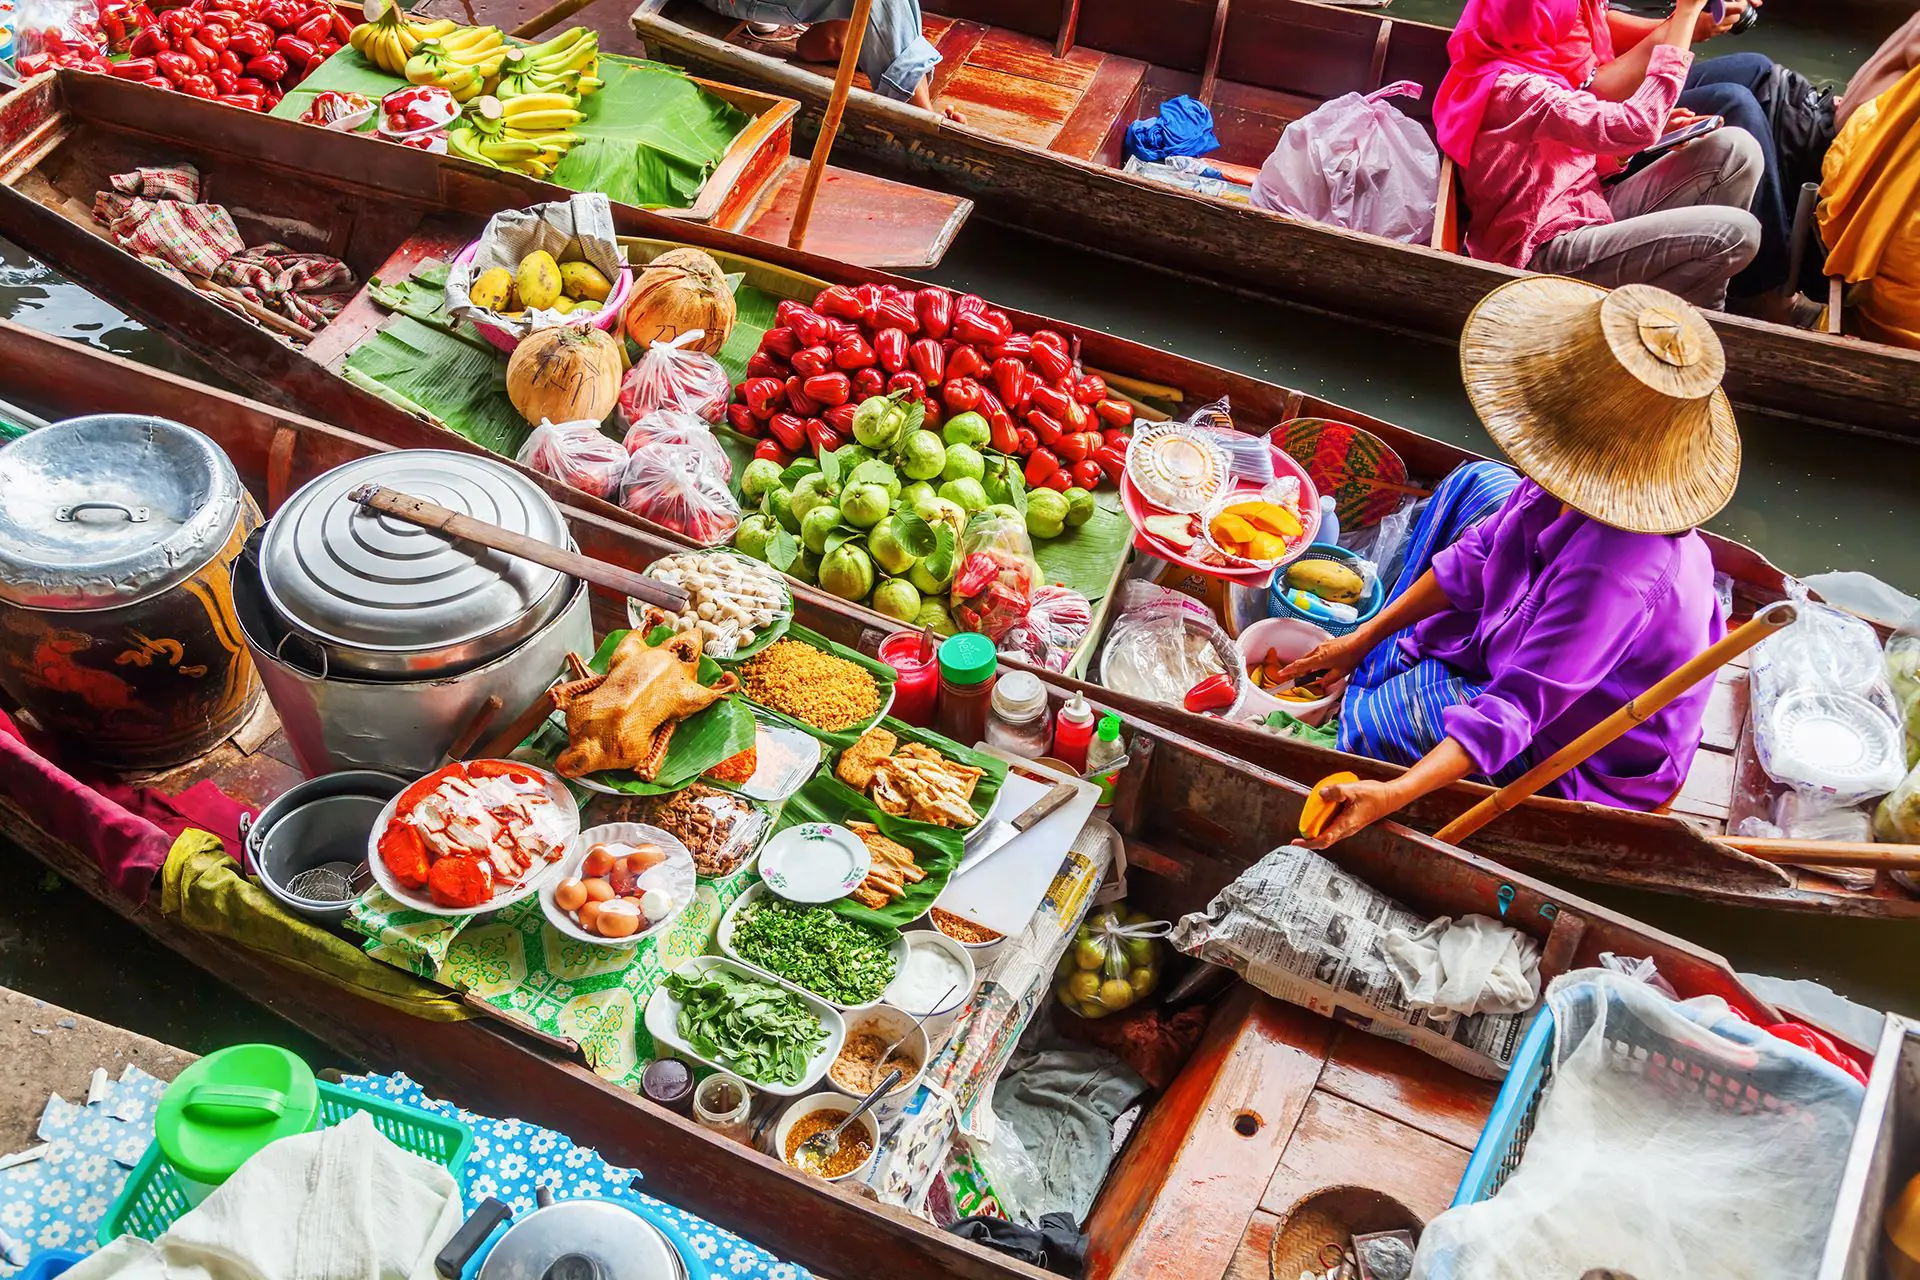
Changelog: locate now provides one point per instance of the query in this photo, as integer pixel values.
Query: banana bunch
(568, 63)
(527, 134)
(389, 40)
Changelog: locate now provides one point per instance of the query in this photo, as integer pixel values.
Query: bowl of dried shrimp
(474, 836)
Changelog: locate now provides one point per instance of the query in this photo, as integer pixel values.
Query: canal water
(1810, 498)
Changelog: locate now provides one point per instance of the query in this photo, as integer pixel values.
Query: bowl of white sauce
(935, 978)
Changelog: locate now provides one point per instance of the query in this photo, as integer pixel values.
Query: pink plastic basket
(1138, 509)
(606, 318)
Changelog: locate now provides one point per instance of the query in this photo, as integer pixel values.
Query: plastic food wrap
(1903, 674)
(680, 487)
(1165, 643)
(669, 376)
(676, 426)
(1654, 1173)
(1897, 818)
(995, 577)
(577, 453)
(1114, 962)
(1824, 716)
(58, 33)
(1058, 619)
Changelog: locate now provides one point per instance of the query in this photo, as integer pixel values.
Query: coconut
(681, 290)
(564, 375)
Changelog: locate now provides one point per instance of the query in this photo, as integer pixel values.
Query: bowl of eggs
(619, 884)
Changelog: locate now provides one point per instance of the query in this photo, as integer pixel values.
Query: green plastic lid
(968, 658)
(1110, 728)
(230, 1104)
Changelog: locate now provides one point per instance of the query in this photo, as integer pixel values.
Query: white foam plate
(663, 1017)
(675, 875)
(723, 938)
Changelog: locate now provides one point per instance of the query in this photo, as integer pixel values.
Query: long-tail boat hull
(1274, 1105)
(1041, 150)
(388, 209)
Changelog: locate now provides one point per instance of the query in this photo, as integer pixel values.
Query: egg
(619, 918)
(656, 903)
(569, 894)
(599, 860)
(598, 890)
(588, 915)
(645, 857)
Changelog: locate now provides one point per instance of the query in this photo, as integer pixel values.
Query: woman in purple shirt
(1552, 600)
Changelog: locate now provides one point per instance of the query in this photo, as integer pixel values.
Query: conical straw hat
(1610, 401)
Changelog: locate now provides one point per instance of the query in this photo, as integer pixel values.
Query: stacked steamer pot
(118, 535)
(380, 642)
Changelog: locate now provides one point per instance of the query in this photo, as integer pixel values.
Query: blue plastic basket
(1278, 606)
(49, 1263)
(153, 1199)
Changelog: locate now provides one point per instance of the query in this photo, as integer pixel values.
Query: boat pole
(1702, 667)
(830, 123)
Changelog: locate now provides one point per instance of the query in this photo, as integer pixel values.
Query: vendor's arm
(1361, 804)
(1630, 29)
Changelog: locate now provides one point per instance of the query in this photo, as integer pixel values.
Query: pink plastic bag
(679, 487)
(1058, 619)
(995, 577)
(667, 376)
(577, 453)
(1356, 162)
(674, 426)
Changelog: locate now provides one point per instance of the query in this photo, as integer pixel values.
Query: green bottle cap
(227, 1106)
(968, 658)
(1110, 728)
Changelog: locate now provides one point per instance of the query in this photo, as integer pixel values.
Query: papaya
(1317, 810)
(539, 280)
(1329, 579)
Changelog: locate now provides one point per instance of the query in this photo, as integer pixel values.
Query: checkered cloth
(155, 215)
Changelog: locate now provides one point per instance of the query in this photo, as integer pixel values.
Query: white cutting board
(1003, 892)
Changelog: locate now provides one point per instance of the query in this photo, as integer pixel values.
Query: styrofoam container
(723, 938)
(663, 1016)
(933, 939)
(537, 875)
(1293, 639)
(682, 883)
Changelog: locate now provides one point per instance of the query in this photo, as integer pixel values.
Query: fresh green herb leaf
(813, 947)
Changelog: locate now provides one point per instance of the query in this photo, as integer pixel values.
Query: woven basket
(1332, 1216)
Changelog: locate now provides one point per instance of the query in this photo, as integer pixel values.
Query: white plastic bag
(1356, 162)
(576, 453)
(668, 376)
(1452, 968)
(679, 486)
(674, 426)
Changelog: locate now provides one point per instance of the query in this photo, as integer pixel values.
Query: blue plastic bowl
(1278, 606)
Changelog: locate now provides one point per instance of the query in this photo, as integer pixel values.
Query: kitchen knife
(987, 839)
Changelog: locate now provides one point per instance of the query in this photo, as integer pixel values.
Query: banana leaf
(701, 741)
(460, 381)
(985, 791)
(650, 137)
(1085, 558)
(883, 676)
(936, 850)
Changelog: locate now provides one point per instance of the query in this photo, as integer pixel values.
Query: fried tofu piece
(857, 761)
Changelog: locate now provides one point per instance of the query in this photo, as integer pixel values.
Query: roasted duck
(625, 718)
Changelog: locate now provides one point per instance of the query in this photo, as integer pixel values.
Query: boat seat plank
(1016, 109)
(1406, 1085)
(1010, 53)
(1342, 1144)
(1084, 135)
(1726, 712)
(1177, 1200)
(1708, 790)
(437, 239)
(858, 217)
(955, 44)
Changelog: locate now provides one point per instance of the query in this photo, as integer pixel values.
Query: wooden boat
(387, 209)
(1275, 1106)
(1049, 88)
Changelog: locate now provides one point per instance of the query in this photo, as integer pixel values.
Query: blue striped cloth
(1391, 710)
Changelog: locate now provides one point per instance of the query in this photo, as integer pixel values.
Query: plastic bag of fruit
(58, 33)
(1114, 962)
(995, 577)
(1058, 619)
(676, 426)
(680, 487)
(669, 376)
(577, 453)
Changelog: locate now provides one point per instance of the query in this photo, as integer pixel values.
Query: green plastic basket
(153, 1199)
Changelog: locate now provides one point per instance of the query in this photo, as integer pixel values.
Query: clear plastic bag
(1249, 458)
(578, 454)
(1057, 620)
(1114, 962)
(58, 33)
(1654, 1173)
(995, 577)
(676, 426)
(1356, 162)
(1896, 819)
(1824, 717)
(668, 376)
(1164, 643)
(679, 487)
(1903, 675)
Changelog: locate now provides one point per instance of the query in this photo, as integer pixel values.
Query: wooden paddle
(464, 528)
(1828, 853)
(830, 123)
(1759, 627)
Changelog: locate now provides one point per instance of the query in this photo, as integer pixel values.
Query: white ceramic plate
(675, 876)
(536, 875)
(723, 937)
(663, 1016)
(815, 862)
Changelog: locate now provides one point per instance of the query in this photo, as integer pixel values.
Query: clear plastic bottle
(1017, 719)
(1102, 752)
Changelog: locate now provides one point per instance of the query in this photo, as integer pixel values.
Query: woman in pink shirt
(1534, 143)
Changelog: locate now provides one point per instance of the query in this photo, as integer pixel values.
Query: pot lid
(582, 1240)
(354, 577)
(110, 509)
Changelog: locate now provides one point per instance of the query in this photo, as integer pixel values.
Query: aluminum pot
(118, 533)
(323, 820)
(363, 595)
(401, 726)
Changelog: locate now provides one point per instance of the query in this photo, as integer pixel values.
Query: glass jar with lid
(1017, 720)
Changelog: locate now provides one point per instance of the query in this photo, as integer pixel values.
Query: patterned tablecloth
(59, 1200)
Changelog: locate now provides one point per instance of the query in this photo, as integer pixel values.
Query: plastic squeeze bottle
(1329, 530)
(1072, 732)
(1102, 752)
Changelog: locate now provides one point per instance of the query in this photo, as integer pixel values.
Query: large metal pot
(379, 641)
(117, 536)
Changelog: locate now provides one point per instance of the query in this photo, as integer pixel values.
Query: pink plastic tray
(606, 318)
(1138, 509)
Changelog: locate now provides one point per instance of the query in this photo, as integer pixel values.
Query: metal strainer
(331, 882)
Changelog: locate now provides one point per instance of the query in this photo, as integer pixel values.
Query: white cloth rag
(341, 1203)
(1453, 968)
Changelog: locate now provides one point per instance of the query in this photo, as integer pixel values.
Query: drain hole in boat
(1246, 1124)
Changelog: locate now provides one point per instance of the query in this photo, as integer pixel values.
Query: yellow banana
(550, 141)
(535, 122)
(388, 53)
(589, 84)
(357, 38)
(558, 44)
(574, 59)
(509, 148)
(434, 30)
(465, 144)
(528, 103)
(472, 38)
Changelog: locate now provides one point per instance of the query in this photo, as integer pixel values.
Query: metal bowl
(317, 823)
